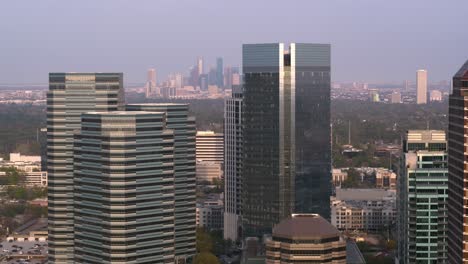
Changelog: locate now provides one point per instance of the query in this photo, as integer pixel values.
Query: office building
(367, 210)
(458, 175)
(124, 188)
(210, 146)
(422, 198)
(178, 119)
(228, 77)
(305, 238)
(203, 82)
(200, 66)
(219, 73)
(286, 133)
(232, 164)
(421, 87)
(69, 95)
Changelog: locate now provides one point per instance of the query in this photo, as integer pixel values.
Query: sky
(372, 40)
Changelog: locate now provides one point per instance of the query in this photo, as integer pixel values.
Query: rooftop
(463, 72)
(310, 226)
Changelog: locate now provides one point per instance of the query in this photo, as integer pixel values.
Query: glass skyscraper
(286, 133)
(124, 188)
(458, 168)
(70, 95)
(422, 198)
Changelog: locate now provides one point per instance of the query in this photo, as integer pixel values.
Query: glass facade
(286, 133)
(458, 176)
(178, 119)
(70, 95)
(124, 189)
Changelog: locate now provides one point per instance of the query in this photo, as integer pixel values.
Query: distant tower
(151, 83)
(219, 73)
(421, 85)
(200, 66)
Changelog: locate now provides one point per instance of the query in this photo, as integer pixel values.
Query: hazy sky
(372, 40)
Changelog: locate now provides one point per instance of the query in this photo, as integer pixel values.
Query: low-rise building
(210, 212)
(339, 176)
(17, 157)
(208, 171)
(307, 238)
(385, 179)
(36, 178)
(369, 210)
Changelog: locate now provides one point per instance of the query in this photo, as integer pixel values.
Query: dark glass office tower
(70, 95)
(458, 169)
(286, 133)
(219, 73)
(124, 188)
(178, 119)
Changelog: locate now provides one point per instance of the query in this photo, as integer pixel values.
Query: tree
(204, 241)
(205, 258)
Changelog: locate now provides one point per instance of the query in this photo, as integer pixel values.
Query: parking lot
(18, 252)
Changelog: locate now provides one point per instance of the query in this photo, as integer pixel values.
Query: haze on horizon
(373, 41)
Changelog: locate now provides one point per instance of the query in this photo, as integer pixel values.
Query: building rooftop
(364, 194)
(310, 226)
(463, 72)
(353, 254)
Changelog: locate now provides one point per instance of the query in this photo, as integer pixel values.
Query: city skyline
(411, 40)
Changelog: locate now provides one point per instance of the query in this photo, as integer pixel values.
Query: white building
(339, 176)
(36, 178)
(208, 171)
(370, 210)
(435, 95)
(17, 157)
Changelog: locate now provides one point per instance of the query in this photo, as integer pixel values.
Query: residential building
(368, 210)
(178, 119)
(124, 193)
(422, 195)
(457, 167)
(421, 87)
(36, 178)
(232, 165)
(308, 238)
(210, 146)
(286, 133)
(70, 95)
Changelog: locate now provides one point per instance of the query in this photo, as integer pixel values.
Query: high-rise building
(70, 95)
(286, 133)
(124, 188)
(306, 238)
(228, 77)
(151, 83)
(219, 73)
(422, 198)
(210, 146)
(421, 87)
(200, 66)
(458, 175)
(232, 165)
(178, 119)
(203, 82)
(212, 77)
